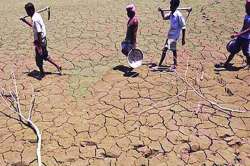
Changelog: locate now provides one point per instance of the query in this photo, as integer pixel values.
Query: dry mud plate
(94, 115)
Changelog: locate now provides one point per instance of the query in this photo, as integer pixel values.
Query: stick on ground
(12, 101)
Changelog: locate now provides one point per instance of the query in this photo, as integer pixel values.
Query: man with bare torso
(132, 27)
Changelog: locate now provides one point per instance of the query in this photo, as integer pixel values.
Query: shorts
(126, 47)
(44, 55)
(240, 44)
(171, 44)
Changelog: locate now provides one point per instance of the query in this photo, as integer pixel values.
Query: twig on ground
(213, 103)
(12, 102)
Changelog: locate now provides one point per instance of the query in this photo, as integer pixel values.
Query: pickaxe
(189, 9)
(39, 11)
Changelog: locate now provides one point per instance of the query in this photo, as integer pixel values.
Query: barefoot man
(177, 26)
(132, 27)
(40, 41)
(241, 42)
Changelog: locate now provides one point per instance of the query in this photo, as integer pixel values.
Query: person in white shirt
(177, 25)
(40, 41)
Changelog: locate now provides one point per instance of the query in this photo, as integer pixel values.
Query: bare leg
(175, 57)
(248, 60)
(41, 69)
(173, 67)
(229, 59)
(50, 60)
(39, 63)
(226, 64)
(42, 73)
(163, 55)
(248, 63)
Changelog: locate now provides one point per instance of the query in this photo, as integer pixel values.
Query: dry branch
(12, 101)
(213, 103)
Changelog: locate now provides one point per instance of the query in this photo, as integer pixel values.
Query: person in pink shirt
(132, 27)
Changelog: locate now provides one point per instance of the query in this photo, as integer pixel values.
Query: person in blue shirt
(241, 42)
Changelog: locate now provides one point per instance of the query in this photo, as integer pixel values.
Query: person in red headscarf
(241, 42)
(132, 27)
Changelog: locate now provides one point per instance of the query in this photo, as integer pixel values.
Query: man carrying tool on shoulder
(177, 26)
(40, 41)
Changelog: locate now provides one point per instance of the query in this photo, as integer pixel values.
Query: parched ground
(94, 115)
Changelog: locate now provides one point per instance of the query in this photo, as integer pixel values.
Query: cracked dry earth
(93, 115)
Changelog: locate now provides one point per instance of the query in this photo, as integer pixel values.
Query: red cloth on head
(131, 7)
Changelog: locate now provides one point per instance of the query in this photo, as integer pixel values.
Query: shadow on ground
(127, 71)
(36, 74)
(230, 67)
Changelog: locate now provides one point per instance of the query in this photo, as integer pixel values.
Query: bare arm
(246, 27)
(38, 43)
(163, 15)
(26, 22)
(242, 32)
(182, 23)
(135, 34)
(39, 39)
(183, 36)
